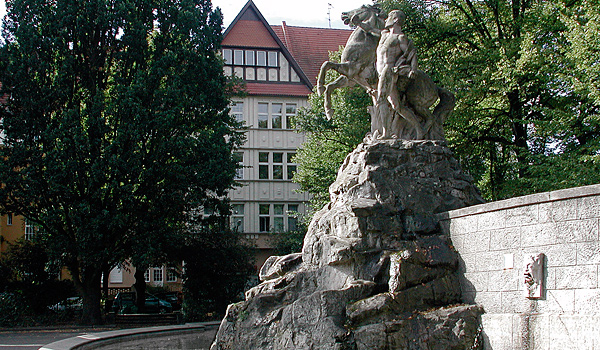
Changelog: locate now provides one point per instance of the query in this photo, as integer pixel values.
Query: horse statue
(414, 120)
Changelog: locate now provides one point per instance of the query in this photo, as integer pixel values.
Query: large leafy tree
(116, 126)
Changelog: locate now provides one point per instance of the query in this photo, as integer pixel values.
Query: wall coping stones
(544, 197)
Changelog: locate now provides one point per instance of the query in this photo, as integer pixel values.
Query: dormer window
(258, 65)
(272, 59)
(261, 58)
(250, 58)
(227, 57)
(238, 57)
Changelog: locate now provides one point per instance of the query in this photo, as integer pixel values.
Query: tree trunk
(140, 289)
(88, 286)
(91, 293)
(105, 281)
(519, 131)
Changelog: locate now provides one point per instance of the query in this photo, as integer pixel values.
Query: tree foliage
(115, 129)
(218, 264)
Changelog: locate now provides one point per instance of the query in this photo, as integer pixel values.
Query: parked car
(124, 303)
(174, 298)
(69, 304)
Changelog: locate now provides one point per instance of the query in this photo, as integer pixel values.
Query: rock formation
(375, 271)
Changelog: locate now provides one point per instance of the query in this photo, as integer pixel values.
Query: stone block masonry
(494, 240)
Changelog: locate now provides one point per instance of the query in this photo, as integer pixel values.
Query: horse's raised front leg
(341, 81)
(321, 78)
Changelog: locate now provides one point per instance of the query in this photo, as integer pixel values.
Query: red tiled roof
(249, 34)
(306, 48)
(277, 89)
(310, 47)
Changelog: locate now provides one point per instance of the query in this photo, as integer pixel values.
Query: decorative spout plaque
(534, 275)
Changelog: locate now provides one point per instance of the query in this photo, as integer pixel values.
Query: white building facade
(278, 65)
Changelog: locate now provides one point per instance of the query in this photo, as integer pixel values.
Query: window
(238, 157)
(9, 219)
(276, 109)
(282, 217)
(237, 217)
(237, 111)
(256, 65)
(273, 59)
(290, 113)
(250, 58)
(263, 115)
(227, 56)
(157, 274)
(264, 217)
(263, 165)
(261, 58)
(290, 165)
(147, 276)
(116, 275)
(238, 57)
(278, 218)
(292, 217)
(274, 115)
(171, 275)
(277, 166)
(29, 230)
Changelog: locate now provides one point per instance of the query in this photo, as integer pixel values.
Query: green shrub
(13, 310)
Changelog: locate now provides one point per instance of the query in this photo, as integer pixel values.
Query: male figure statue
(396, 60)
(396, 67)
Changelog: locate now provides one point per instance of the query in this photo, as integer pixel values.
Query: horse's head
(362, 14)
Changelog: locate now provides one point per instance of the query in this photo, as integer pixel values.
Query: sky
(308, 13)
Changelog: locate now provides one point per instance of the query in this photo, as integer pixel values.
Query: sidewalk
(128, 335)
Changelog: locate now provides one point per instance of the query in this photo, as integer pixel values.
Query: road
(34, 339)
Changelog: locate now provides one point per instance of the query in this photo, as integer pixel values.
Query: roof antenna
(329, 7)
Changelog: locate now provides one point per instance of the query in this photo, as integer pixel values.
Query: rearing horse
(358, 57)
(415, 120)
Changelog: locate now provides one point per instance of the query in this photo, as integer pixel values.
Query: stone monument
(381, 58)
(375, 271)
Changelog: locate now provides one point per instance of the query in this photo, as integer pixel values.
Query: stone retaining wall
(494, 240)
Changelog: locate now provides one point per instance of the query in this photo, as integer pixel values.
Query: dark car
(124, 303)
(174, 298)
(70, 304)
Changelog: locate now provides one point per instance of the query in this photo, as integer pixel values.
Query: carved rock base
(375, 272)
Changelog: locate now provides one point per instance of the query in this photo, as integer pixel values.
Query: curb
(84, 341)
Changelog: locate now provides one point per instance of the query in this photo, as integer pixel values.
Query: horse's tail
(445, 106)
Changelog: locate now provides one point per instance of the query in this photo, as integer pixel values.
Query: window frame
(30, 231)
(157, 271)
(171, 275)
(264, 166)
(279, 220)
(236, 109)
(238, 215)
